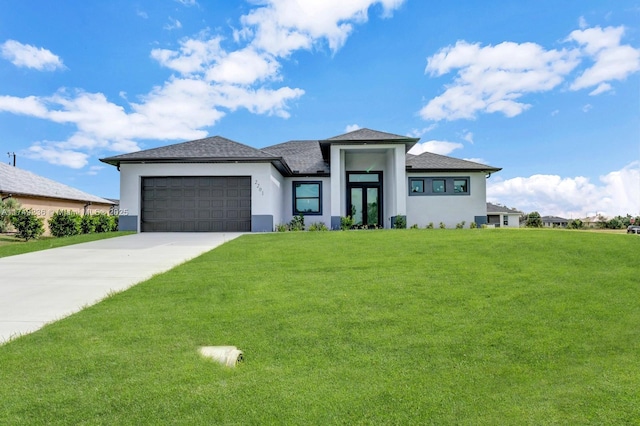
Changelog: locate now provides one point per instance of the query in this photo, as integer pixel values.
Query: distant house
(554, 222)
(216, 184)
(501, 216)
(45, 196)
(596, 221)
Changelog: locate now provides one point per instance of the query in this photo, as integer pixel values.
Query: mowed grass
(359, 327)
(11, 246)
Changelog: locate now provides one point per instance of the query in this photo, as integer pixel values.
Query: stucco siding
(287, 200)
(448, 209)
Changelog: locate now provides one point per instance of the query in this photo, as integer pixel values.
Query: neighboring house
(554, 222)
(501, 216)
(215, 184)
(45, 196)
(597, 221)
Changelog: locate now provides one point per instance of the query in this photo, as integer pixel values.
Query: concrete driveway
(41, 287)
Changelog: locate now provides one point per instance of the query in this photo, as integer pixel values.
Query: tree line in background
(63, 223)
(534, 220)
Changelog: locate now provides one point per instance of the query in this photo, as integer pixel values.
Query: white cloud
(602, 87)
(244, 66)
(493, 78)
(352, 128)
(582, 22)
(188, 2)
(25, 55)
(468, 136)
(57, 156)
(613, 61)
(93, 170)
(617, 193)
(435, 147)
(418, 133)
(194, 56)
(173, 24)
(587, 108)
(31, 105)
(282, 26)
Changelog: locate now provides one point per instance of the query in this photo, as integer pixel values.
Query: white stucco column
(400, 180)
(337, 171)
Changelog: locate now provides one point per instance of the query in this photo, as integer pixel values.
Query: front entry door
(364, 198)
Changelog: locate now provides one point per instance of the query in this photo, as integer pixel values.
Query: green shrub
(346, 222)
(113, 222)
(318, 226)
(297, 223)
(87, 225)
(27, 224)
(473, 225)
(430, 225)
(460, 225)
(282, 227)
(65, 223)
(414, 226)
(400, 222)
(102, 222)
(442, 225)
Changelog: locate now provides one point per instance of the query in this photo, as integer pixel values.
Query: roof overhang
(277, 162)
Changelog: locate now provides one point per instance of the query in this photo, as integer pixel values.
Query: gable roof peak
(365, 134)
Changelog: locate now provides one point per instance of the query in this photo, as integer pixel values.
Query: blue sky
(547, 90)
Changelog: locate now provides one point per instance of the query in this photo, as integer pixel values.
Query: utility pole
(12, 154)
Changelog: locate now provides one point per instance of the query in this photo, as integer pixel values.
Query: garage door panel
(196, 204)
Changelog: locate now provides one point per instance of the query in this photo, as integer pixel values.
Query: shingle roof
(496, 208)
(370, 135)
(304, 157)
(437, 162)
(22, 182)
(215, 147)
(554, 219)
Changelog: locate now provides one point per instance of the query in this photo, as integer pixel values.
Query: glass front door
(364, 198)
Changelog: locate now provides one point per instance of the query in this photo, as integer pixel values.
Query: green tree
(27, 224)
(7, 208)
(575, 224)
(534, 220)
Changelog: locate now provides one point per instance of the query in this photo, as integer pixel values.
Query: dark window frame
(449, 186)
(294, 198)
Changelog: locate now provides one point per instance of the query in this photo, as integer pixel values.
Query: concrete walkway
(41, 287)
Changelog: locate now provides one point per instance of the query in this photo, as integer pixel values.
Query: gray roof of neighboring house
(436, 162)
(21, 182)
(554, 219)
(303, 157)
(496, 208)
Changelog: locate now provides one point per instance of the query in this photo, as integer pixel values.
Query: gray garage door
(196, 204)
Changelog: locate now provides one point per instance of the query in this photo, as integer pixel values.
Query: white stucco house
(215, 184)
(500, 216)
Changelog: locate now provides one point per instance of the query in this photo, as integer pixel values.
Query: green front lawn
(359, 327)
(11, 246)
